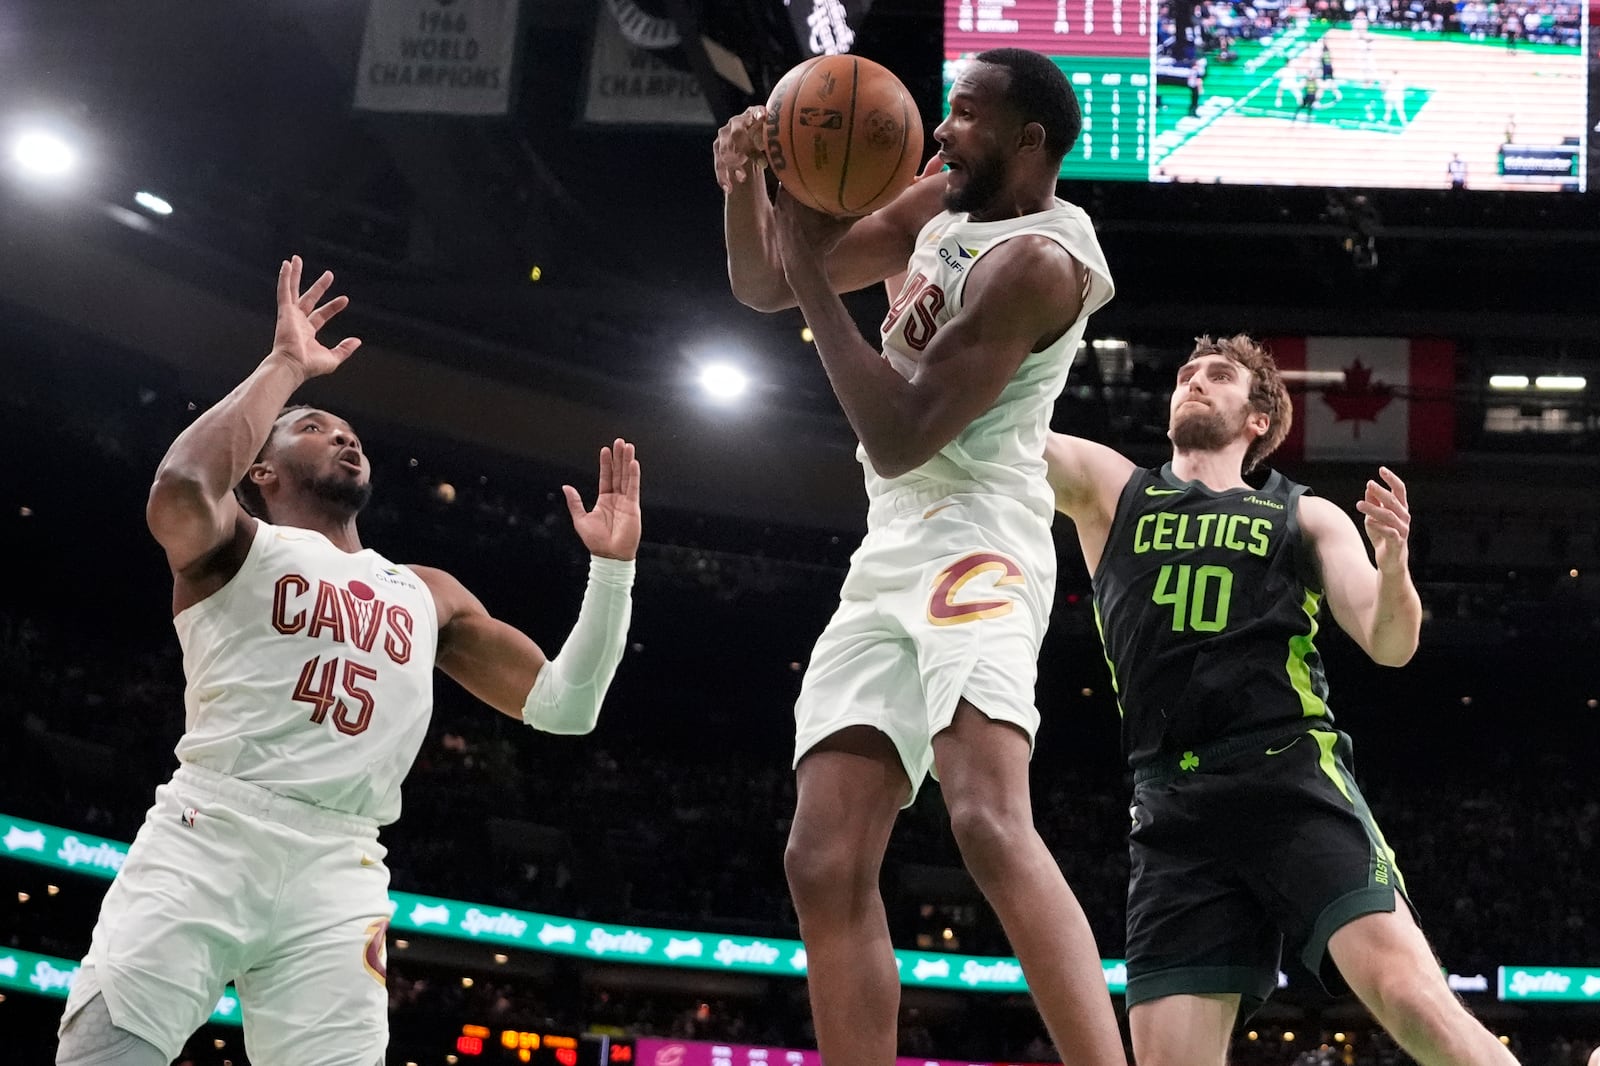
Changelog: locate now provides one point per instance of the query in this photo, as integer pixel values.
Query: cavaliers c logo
(376, 955)
(943, 608)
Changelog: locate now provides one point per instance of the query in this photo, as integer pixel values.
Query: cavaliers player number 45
(309, 662)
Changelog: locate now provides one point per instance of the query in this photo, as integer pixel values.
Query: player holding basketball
(930, 660)
(1249, 829)
(309, 663)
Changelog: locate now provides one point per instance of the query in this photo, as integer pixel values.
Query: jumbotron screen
(1473, 94)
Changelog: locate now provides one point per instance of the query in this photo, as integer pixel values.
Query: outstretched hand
(1388, 521)
(611, 530)
(739, 151)
(299, 320)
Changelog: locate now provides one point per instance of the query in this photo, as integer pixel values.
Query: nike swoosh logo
(1286, 747)
(1153, 491)
(929, 514)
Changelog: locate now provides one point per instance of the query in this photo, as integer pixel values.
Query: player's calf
(1388, 964)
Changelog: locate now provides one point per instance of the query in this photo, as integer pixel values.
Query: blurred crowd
(1215, 24)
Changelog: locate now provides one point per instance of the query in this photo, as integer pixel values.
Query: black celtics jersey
(1207, 605)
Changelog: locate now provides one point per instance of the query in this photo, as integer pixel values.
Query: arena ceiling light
(723, 381)
(1560, 382)
(152, 203)
(1508, 381)
(41, 153)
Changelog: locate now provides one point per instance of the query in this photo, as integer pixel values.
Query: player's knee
(826, 871)
(1409, 1001)
(986, 831)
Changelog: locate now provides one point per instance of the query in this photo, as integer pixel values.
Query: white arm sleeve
(567, 691)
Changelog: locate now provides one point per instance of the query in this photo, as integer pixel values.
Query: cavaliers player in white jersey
(309, 663)
(929, 662)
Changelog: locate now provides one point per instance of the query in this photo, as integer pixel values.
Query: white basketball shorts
(227, 881)
(947, 597)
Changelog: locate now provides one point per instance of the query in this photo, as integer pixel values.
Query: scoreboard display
(1109, 44)
(1344, 93)
(476, 1042)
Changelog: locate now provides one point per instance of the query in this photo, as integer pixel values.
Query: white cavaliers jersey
(310, 673)
(1002, 450)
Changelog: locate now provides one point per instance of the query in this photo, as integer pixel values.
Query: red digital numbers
(469, 1045)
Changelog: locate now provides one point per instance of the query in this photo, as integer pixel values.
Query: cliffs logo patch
(955, 256)
(397, 576)
(189, 815)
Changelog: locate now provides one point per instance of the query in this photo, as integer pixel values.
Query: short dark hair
(1268, 393)
(1039, 92)
(247, 492)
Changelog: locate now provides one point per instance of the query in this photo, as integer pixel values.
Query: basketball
(843, 135)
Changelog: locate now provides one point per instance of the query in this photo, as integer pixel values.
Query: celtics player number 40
(1198, 596)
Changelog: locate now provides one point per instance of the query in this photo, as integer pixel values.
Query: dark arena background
(519, 201)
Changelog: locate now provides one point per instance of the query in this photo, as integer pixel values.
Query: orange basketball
(843, 135)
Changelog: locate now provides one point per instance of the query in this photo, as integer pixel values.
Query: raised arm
(1377, 605)
(1087, 479)
(1025, 291)
(876, 248)
(191, 510)
(503, 667)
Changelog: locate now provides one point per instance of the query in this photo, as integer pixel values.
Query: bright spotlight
(41, 154)
(723, 381)
(1560, 382)
(152, 203)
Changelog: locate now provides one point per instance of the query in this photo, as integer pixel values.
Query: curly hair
(1268, 394)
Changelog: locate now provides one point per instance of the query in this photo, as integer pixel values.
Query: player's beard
(1207, 430)
(985, 179)
(345, 494)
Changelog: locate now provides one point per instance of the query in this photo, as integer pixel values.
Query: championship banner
(1369, 399)
(631, 81)
(439, 57)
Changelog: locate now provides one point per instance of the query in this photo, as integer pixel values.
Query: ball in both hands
(843, 135)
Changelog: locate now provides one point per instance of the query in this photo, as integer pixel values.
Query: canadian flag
(1388, 399)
